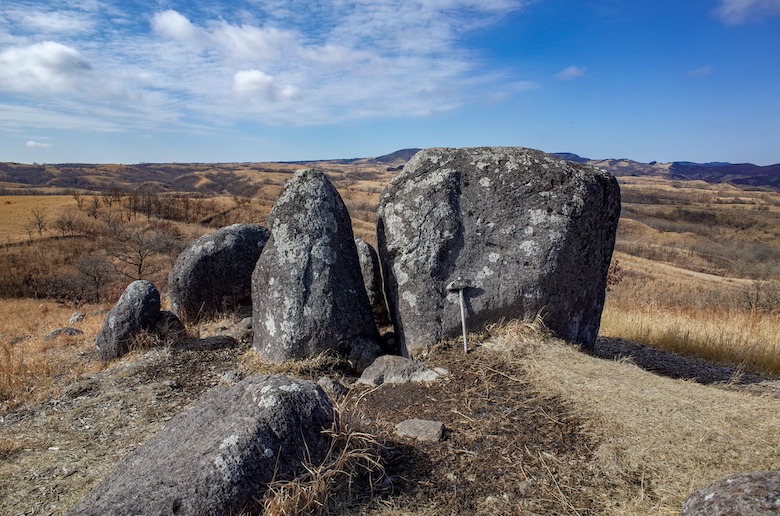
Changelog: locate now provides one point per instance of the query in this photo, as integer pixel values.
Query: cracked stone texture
(372, 279)
(217, 458)
(531, 232)
(307, 288)
(214, 273)
(756, 493)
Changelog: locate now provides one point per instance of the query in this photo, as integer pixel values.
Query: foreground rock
(372, 279)
(137, 310)
(421, 429)
(742, 494)
(307, 290)
(216, 459)
(214, 273)
(528, 232)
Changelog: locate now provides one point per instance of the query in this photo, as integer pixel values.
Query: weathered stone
(372, 279)
(307, 290)
(217, 458)
(532, 233)
(169, 328)
(77, 317)
(214, 273)
(332, 388)
(137, 309)
(395, 369)
(68, 332)
(421, 429)
(756, 493)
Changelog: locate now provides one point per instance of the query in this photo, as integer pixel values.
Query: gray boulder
(741, 494)
(531, 233)
(217, 458)
(59, 332)
(214, 273)
(137, 309)
(372, 279)
(307, 290)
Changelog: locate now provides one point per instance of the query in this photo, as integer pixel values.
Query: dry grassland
(15, 213)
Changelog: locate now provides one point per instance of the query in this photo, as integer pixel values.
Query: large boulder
(217, 458)
(756, 493)
(527, 232)
(307, 289)
(138, 309)
(214, 274)
(372, 279)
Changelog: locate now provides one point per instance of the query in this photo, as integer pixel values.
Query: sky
(134, 81)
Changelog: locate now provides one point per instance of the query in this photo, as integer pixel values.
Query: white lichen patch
(485, 182)
(486, 272)
(494, 257)
(528, 247)
(229, 441)
(410, 298)
(292, 387)
(270, 325)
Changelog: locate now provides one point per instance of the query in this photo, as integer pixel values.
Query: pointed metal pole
(460, 285)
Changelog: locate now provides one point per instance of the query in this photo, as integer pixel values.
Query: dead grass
(674, 436)
(353, 463)
(15, 214)
(32, 368)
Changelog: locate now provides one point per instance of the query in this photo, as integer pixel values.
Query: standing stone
(214, 274)
(756, 493)
(218, 458)
(137, 309)
(307, 290)
(372, 279)
(531, 233)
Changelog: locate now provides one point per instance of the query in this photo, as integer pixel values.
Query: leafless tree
(39, 220)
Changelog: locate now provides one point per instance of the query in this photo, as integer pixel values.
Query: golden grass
(32, 368)
(15, 213)
(661, 439)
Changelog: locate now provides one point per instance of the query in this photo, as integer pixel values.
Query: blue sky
(268, 80)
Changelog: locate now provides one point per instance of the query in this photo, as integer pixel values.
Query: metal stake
(460, 285)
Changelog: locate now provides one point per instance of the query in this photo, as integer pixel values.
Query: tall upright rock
(307, 289)
(528, 232)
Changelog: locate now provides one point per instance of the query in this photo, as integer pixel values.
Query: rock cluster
(531, 234)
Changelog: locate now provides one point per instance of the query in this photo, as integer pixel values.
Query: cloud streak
(738, 12)
(572, 72)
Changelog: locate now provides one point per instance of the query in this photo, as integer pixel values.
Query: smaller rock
(421, 429)
(332, 388)
(524, 488)
(169, 327)
(756, 493)
(245, 323)
(395, 369)
(231, 377)
(17, 340)
(209, 343)
(361, 352)
(76, 318)
(69, 332)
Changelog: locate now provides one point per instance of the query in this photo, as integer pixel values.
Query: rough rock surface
(307, 290)
(395, 369)
(69, 332)
(216, 458)
(372, 279)
(77, 317)
(214, 273)
(756, 493)
(137, 309)
(532, 233)
(421, 429)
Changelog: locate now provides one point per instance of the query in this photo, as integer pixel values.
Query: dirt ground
(512, 444)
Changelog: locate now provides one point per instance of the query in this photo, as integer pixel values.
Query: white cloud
(36, 145)
(701, 72)
(254, 43)
(57, 22)
(736, 12)
(46, 67)
(571, 72)
(254, 83)
(176, 26)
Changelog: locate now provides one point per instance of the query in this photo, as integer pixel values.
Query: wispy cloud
(737, 12)
(37, 145)
(701, 72)
(279, 62)
(571, 72)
